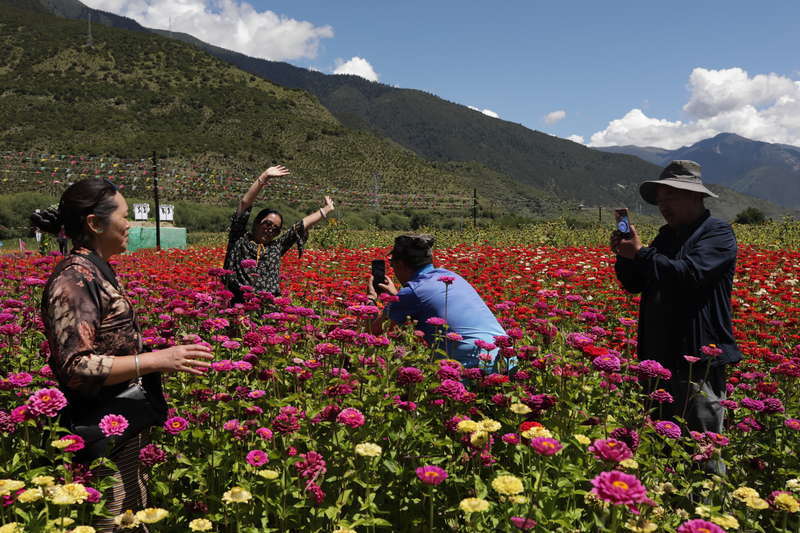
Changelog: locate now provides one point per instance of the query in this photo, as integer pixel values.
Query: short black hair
(261, 215)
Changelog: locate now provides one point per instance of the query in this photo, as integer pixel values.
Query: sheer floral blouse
(88, 320)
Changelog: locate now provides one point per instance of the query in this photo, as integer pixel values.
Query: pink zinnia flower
(175, 425)
(447, 280)
(350, 417)
(545, 445)
(711, 350)
(668, 429)
(20, 379)
(152, 455)
(94, 494)
(113, 425)
(661, 396)
(606, 363)
(264, 433)
(248, 263)
(610, 450)
(453, 336)
(619, 488)
(691, 359)
(522, 523)
(77, 443)
(792, 423)
(699, 526)
(651, 369)
(408, 375)
(312, 466)
(47, 402)
(257, 458)
(431, 475)
(326, 348)
(436, 321)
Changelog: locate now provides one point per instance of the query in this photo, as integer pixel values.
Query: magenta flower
(326, 348)
(431, 475)
(610, 450)
(152, 455)
(699, 526)
(264, 433)
(408, 375)
(20, 379)
(350, 417)
(619, 488)
(94, 494)
(47, 402)
(661, 396)
(257, 458)
(77, 443)
(651, 369)
(312, 466)
(447, 280)
(248, 263)
(436, 321)
(753, 405)
(792, 423)
(606, 363)
(522, 523)
(175, 425)
(711, 350)
(453, 336)
(113, 425)
(545, 446)
(691, 359)
(668, 429)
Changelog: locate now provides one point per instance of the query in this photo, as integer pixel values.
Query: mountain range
(515, 166)
(761, 169)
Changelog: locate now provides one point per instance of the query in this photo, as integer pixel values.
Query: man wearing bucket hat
(430, 292)
(685, 278)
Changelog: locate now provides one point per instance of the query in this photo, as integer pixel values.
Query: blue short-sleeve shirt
(424, 297)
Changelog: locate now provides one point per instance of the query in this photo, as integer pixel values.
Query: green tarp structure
(145, 237)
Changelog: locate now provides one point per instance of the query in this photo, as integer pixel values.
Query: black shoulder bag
(134, 403)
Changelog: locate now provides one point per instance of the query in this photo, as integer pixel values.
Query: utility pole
(599, 215)
(376, 185)
(158, 205)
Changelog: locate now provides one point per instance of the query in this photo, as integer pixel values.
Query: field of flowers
(308, 423)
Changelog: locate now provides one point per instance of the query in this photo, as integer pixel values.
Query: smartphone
(623, 223)
(378, 274)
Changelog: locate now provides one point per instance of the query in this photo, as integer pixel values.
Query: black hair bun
(47, 220)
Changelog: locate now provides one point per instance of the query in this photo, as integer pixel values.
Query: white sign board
(141, 211)
(167, 212)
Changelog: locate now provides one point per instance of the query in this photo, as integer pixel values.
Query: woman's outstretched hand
(273, 172)
(328, 207)
(190, 358)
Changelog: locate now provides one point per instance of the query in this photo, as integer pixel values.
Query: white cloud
(487, 112)
(576, 139)
(555, 116)
(358, 66)
(765, 107)
(230, 24)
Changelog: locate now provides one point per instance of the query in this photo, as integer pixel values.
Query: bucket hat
(679, 174)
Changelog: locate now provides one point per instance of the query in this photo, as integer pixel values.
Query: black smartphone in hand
(378, 274)
(623, 223)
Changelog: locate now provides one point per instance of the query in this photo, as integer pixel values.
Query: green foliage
(16, 209)
(751, 215)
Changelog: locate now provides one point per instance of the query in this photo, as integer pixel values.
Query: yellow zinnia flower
(534, 432)
(30, 495)
(7, 486)
(757, 503)
(11, 527)
(474, 505)
(489, 425)
(726, 521)
(467, 426)
(200, 524)
(43, 481)
(520, 408)
(368, 449)
(268, 474)
(60, 444)
(237, 495)
(629, 464)
(507, 485)
(479, 439)
(83, 529)
(127, 520)
(745, 493)
(69, 494)
(786, 502)
(64, 521)
(582, 439)
(151, 515)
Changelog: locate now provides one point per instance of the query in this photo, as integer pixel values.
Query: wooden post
(158, 205)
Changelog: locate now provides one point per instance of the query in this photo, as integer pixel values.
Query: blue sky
(596, 62)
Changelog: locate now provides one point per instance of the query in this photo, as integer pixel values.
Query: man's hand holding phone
(625, 240)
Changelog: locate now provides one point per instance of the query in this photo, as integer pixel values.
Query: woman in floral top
(254, 258)
(93, 333)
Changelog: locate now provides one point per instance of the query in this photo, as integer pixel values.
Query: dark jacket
(685, 277)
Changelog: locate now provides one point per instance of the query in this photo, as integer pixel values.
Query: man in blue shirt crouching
(429, 292)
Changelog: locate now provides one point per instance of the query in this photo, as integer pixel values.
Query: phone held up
(623, 223)
(378, 274)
